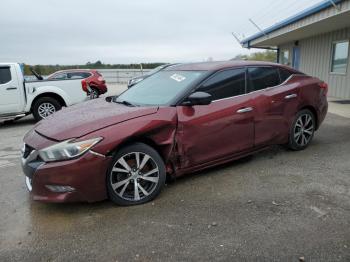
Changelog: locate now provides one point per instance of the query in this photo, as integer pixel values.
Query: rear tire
(302, 130)
(94, 93)
(137, 175)
(44, 107)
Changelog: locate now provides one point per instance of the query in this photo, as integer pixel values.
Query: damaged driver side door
(220, 129)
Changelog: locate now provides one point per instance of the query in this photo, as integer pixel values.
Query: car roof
(75, 70)
(219, 65)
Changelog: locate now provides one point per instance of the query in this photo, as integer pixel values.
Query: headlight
(67, 149)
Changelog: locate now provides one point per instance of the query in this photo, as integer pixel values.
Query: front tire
(44, 107)
(137, 175)
(302, 130)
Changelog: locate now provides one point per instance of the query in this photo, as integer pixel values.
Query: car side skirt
(220, 161)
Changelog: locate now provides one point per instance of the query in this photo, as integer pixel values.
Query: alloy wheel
(134, 176)
(303, 129)
(46, 109)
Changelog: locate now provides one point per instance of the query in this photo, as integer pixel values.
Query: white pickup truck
(41, 98)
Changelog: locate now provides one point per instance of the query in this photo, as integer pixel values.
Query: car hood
(84, 118)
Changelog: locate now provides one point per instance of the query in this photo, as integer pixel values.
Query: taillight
(100, 78)
(324, 87)
(84, 85)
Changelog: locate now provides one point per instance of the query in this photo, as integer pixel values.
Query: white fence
(120, 75)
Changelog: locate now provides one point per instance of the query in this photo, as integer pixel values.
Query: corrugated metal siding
(331, 11)
(315, 59)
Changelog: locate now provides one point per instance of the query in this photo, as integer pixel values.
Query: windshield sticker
(177, 77)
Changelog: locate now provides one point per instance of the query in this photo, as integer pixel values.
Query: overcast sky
(131, 31)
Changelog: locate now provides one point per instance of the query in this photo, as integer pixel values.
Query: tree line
(267, 55)
(49, 69)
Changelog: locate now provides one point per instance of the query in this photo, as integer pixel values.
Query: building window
(285, 57)
(340, 54)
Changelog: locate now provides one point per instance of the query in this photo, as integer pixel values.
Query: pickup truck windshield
(160, 88)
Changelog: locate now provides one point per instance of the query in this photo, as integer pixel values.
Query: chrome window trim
(265, 89)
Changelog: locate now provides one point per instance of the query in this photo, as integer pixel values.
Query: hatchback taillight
(84, 85)
(100, 78)
(324, 87)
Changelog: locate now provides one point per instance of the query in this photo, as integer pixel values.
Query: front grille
(26, 151)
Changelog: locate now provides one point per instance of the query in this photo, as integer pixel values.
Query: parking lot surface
(278, 205)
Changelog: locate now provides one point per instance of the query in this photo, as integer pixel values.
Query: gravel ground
(275, 206)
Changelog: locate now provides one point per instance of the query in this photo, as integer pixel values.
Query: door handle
(11, 88)
(245, 110)
(290, 96)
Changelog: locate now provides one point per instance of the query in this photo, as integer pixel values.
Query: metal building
(315, 41)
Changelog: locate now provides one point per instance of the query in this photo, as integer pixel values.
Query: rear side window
(262, 77)
(76, 75)
(5, 75)
(225, 84)
(60, 76)
(284, 74)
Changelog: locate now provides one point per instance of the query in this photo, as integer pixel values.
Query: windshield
(160, 88)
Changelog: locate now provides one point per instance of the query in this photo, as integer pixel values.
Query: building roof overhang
(288, 30)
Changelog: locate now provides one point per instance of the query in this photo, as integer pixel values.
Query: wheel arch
(48, 94)
(140, 139)
(164, 150)
(314, 111)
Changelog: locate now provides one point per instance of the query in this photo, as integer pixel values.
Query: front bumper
(87, 175)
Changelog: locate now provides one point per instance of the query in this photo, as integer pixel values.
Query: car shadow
(81, 208)
(26, 121)
(210, 171)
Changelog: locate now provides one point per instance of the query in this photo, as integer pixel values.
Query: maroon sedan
(183, 119)
(96, 83)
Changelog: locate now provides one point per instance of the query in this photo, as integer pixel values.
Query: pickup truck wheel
(44, 107)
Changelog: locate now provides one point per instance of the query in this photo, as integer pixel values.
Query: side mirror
(198, 98)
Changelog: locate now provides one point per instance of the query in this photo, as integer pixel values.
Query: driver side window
(225, 84)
